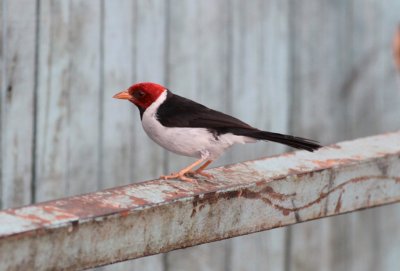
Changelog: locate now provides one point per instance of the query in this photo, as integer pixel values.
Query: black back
(177, 111)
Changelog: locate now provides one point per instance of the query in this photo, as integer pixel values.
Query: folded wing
(177, 111)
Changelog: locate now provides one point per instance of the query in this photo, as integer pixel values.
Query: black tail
(292, 141)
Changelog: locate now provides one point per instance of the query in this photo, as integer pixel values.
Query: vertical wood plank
(374, 76)
(373, 237)
(150, 50)
(54, 77)
(319, 64)
(84, 99)
(260, 55)
(182, 64)
(344, 87)
(17, 100)
(260, 71)
(2, 86)
(134, 48)
(118, 74)
(69, 99)
(229, 55)
(198, 69)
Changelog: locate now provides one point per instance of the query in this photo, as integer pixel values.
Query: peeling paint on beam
(158, 216)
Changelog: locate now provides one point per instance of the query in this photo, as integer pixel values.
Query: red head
(141, 94)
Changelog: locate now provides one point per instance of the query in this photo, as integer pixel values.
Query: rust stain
(324, 195)
(335, 146)
(263, 182)
(338, 204)
(276, 195)
(292, 171)
(56, 212)
(268, 193)
(288, 154)
(138, 201)
(212, 198)
(124, 213)
(33, 218)
(84, 206)
(332, 162)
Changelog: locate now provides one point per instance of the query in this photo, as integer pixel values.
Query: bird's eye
(139, 94)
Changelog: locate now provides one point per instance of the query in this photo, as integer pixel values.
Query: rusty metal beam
(158, 216)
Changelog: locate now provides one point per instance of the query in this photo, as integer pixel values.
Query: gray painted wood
(198, 69)
(344, 87)
(322, 70)
(260, 70)
(374, 23)
(119, 117)
(319, 63)
(17, 101)
(260, 54)
(68, 99)
(54, 106)
(149, 65)
(182, 60)
(134, 51)
(84, 98)
(2, 75)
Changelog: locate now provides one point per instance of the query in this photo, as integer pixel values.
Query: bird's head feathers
(141, 94)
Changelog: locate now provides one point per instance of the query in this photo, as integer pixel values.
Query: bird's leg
(181, 174)
(203, 167)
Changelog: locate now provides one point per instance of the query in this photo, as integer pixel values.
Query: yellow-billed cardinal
(185, 127)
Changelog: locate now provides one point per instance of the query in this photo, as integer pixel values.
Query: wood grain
(117, 164)
(17, 101)
(54, 79)
(343, 87)
(374, 23)
(324, 70)
(2, 87)
(198, 69)
(260, 54)
(84, 98)
(119, 117)
(68, 103)
(149, 65)
(134, 47)
(319, 111)
(319, 64)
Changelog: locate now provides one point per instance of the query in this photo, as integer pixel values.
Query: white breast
(193, 142)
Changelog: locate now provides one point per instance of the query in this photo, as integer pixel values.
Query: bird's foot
(180, 175)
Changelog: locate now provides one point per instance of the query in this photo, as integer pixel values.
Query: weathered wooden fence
(321, 69)
(159, 216)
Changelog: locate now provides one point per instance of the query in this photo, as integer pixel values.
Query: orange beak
(122, 95)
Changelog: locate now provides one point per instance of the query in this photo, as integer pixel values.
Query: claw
(187, 170)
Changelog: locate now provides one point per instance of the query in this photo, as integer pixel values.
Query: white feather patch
(193, 142)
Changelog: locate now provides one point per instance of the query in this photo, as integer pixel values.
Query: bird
(188, 128)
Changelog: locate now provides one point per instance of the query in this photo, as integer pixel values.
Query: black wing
(177, 111)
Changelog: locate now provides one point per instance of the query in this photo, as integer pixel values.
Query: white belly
(193, 142)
